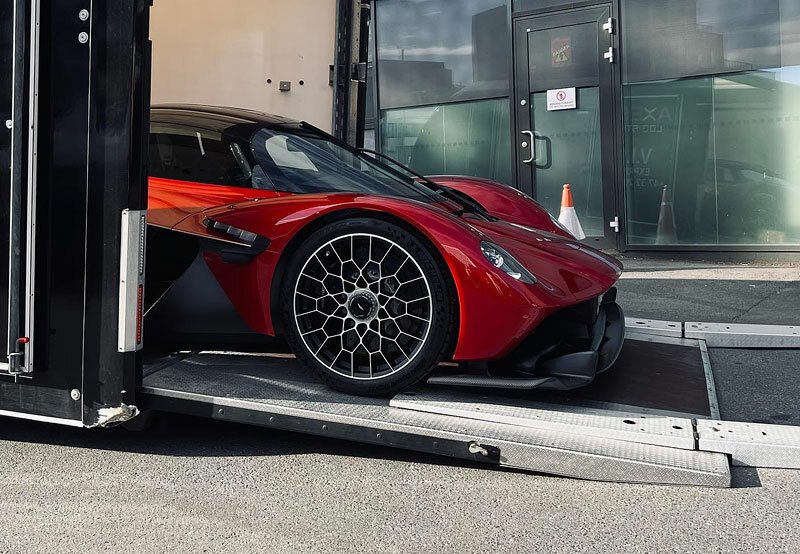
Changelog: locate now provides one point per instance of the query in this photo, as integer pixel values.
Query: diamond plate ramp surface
(752, 444)
(280, 386)
(744, 335)
(645, 429)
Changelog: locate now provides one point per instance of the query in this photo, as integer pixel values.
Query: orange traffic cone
(666, 220)
(568, 217)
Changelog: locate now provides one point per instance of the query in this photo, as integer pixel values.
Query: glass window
(564, 57)
(184, 154)
(712, 120)
(678, 38)
(471, 138)
(541, 5)
(713, 160)
(568, 150)
(435, 51)
(305, 162)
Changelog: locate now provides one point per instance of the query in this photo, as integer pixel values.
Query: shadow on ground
(187, 436)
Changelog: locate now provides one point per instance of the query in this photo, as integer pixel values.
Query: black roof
(215, 116)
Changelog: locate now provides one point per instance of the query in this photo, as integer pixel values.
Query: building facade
(677, 122)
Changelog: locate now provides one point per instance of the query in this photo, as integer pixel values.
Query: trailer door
(18, 33)
(74, 107)
(6, 142)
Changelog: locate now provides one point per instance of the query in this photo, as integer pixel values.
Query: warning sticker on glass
(561, 99)
(561, 48)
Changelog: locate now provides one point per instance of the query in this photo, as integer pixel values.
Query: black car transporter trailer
(74, 107)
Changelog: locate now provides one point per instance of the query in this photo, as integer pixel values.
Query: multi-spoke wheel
(368, 307)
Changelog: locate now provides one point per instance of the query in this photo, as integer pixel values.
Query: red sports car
(260, 226)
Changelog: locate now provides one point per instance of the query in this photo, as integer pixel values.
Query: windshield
(302, 160)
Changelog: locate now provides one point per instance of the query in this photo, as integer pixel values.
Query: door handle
(548, 150)
(534, 159)
(532, 146)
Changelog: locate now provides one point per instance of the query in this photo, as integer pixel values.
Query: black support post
(116, 179)
(350, 70)
(89, 155)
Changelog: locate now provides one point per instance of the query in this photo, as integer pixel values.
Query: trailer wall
(227, 52)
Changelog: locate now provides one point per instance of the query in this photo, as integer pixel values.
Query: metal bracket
(532, 147)
(609, 54)
(359, 72)
(609, 26)
(15, 365)
(614, 224)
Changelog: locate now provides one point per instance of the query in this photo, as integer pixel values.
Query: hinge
(614, 224)
(359, 72)
(609, 54)
(609, 26)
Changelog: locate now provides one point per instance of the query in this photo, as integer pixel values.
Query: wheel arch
(348, 213)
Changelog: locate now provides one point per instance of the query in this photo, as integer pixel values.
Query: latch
(609, 54)
(15, 363)
(492, 453)
(16, 360)
(609, 26)
(614, 224)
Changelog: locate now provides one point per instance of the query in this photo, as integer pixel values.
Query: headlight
(506, 262)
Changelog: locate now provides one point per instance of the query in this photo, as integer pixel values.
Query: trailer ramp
(275, 391)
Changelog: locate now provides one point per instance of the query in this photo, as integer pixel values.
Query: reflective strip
(131, 284)
(43, 419)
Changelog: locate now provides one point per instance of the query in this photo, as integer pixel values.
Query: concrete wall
(222, 52)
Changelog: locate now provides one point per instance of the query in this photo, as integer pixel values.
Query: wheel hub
(363, 305)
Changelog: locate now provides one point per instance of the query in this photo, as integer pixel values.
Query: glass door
(564, 68)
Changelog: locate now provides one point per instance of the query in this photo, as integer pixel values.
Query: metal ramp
(652, 419)
(274, 391)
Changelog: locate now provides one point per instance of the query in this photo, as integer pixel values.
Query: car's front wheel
(368, 306)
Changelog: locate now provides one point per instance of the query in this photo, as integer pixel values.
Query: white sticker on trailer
(561, 99)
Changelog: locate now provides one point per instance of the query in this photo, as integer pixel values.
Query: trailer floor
(667, 376)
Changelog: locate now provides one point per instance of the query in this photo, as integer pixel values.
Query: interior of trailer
(186, 312)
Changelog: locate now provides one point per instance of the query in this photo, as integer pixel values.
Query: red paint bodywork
(496, 311)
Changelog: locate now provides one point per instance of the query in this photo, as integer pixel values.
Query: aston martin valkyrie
(260, 226)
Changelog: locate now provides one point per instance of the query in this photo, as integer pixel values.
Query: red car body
(495, 311)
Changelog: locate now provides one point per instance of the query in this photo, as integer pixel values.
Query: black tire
(392, 335)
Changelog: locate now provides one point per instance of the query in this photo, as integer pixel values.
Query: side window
(197, 156)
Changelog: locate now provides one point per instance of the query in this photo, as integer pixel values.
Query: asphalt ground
(198, 486)
(708, 292)
(192, 485)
